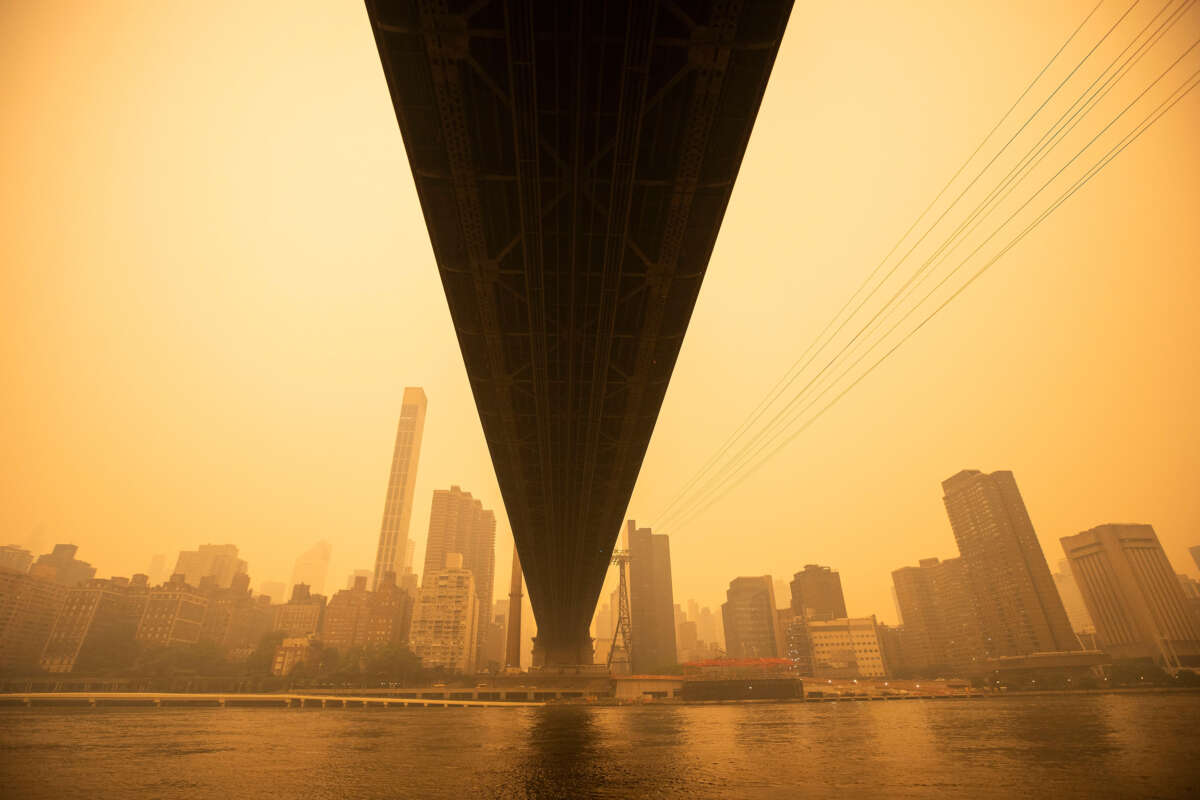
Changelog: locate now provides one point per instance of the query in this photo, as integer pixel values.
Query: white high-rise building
(458, 523)
(446, 618)
(395, 548)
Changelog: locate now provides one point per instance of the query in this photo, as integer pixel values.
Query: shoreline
(291, 700)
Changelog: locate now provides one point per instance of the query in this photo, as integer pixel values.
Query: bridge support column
(562, 653)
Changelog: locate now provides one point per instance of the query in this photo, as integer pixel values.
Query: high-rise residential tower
(750, 618)
(458, 523)
(446, 618)
(651, 600)
(941, 625)
(394, 552)
(817, 594)
(1020, 611)
(1132, 595)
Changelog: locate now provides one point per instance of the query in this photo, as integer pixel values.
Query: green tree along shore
(119, 658)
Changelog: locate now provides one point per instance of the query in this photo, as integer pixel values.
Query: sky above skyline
(217, 283)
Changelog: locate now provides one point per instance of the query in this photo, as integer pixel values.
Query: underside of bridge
(573, 159)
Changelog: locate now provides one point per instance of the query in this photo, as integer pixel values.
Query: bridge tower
(574, 160)
(620, 654)
(512, 648)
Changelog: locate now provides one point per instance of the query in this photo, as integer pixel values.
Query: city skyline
(989, 605)
(221, 562)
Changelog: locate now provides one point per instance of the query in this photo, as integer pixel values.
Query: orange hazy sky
(217, 281)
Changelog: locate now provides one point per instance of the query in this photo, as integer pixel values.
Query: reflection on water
(1061, 746)
(564, 750)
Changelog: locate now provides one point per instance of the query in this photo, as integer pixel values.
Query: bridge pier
(562, 651)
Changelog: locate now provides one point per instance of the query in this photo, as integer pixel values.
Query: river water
(1052, 746)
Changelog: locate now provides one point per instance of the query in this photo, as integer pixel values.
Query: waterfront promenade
(230, 699)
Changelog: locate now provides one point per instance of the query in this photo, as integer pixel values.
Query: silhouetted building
(174, 614)
(942, 632)
(895, 650)
(817, 594)
(158, 570)
(346, 616)
(217, 561)
(29, 604)
(1072, 598)
(359, 573)
(15, 559)
(1020, 611)
(235, 619)
(100, 615)
(458, 523)
(1195, 551)
(68, 570)
(275, 590)
(651, 600)
(750, 618)
(394, 553)
(1191, 591)
(291, 653)
(389, 615)
(710, 629)
(301, 615)
(1133, 595)
(687, 642)
(312, 567)
(445, 619)
(361, 618)
(492, 659)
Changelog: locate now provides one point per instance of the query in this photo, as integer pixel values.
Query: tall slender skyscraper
(394, 544)
(458, 523)
(651, 600)
(1020, 611)
(1133, 596)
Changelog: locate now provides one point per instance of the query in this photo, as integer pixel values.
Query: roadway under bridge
(573, 160)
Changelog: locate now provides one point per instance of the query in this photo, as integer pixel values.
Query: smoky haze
(218, 282)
